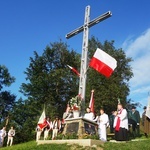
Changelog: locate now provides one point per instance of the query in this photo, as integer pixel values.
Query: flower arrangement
(75, 102)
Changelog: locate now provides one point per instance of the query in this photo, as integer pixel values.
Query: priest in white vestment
(103, 122)
(121, 124)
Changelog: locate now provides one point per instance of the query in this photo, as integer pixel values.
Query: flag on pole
(148, 108)
(42, 123)
(74, 70)
(103, 63)
(91, 104)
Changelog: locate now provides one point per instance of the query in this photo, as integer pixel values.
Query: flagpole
(44, 108)
(7, 120)
(91, 104)
(86, 70)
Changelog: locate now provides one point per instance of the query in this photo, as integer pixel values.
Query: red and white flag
(42, 123)
(103, 63)
(74, 70)
(91, 104)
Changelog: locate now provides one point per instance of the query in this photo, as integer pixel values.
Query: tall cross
(83, 67)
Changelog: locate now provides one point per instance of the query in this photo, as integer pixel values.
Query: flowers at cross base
(75, 103)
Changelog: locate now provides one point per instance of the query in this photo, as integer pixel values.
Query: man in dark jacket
(111, 121)
(135, 117)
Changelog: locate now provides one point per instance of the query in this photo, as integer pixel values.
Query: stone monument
(80, 126)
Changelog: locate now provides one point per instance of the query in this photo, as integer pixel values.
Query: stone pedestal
(80, 126)
(81, 142)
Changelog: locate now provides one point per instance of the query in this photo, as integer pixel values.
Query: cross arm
(90, 24)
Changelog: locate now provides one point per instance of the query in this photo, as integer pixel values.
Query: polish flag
(42, 123)
(103, 63)
(91, 104)
(74, 70)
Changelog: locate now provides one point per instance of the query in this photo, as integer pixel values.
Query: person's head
(133, 108)
(144, 108)
(4, 128)
(112, 112)
(115, 113)
(12, 127)
(101, 111)
(119, 106)
(56, 118)
(47, 118)
(88, 109)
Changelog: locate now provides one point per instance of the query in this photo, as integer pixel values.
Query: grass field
(141, 144)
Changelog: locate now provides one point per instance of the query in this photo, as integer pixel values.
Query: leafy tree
(23, 120)
(5, 78)
(50, 82)
(7, 99)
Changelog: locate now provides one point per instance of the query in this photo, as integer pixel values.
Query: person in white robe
(2, 135)
(89, 115)
(121, 124)
(103, 123)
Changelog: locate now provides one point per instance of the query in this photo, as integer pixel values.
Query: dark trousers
(111, 129)
(121, 135)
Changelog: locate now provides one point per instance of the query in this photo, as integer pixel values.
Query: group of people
(51, 126)
(119, 123)
(133, 121)
(11, 134)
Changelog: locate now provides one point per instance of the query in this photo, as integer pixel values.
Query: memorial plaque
(72, 127)
(89, 129)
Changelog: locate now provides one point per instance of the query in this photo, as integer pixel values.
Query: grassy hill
(142, 144)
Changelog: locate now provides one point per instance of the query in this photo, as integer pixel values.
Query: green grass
(33, 146)
(143, 144)
(131, 145)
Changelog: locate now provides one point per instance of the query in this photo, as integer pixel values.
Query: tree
(24, 120)
(7, 99)
(50, 81)
(5, 78)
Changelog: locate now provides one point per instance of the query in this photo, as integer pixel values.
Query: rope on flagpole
(86, 70)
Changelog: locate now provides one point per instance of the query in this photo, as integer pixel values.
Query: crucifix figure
(83, 67)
